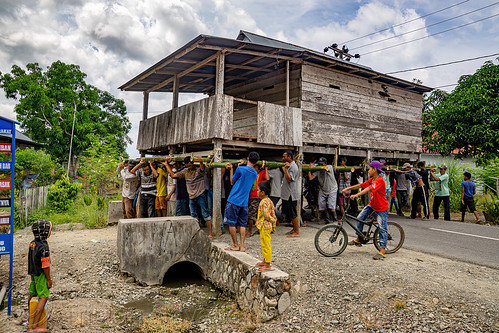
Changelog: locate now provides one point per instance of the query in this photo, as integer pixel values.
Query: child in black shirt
(39, 269)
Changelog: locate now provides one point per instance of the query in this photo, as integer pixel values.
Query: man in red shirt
(378, 204)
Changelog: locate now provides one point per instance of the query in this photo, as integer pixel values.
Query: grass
(400, 304)
(90, 210)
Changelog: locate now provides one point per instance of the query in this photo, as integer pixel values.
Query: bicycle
(332, 239)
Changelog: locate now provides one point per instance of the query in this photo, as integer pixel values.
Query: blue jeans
(201, 202)
(209, 199)
(182, 207)
(381, 217)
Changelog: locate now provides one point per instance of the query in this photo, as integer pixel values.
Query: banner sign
(5, 147)
(4, 184)
(5, 166)
(5, 244)
(4, 220)
(5, 202)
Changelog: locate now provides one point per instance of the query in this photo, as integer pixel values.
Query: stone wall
(266, 294)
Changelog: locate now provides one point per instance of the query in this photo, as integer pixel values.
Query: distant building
(22, 141)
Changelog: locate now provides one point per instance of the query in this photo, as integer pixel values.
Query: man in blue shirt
(468, 190)
(236, 211)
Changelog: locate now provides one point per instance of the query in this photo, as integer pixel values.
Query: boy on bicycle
(378, 205)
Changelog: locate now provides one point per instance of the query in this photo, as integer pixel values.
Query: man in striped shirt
(147, 177)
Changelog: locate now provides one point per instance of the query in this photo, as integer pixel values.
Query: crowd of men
(146, 182)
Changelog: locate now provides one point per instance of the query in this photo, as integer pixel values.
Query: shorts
(470, 203)
(327, 201)
(289, 208)
(343, 199)
(253, 208)
(161, 203)
(38, 286)
(236, 215)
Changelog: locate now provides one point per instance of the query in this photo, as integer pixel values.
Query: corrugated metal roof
(247, 57)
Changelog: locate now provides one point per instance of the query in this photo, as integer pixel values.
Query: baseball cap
(322, 160)
(406, 165)
(443, 166)
(377, 165)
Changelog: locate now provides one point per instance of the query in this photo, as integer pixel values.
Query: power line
(397, 25)
(426, 27)
(443, 64)
(436, 33)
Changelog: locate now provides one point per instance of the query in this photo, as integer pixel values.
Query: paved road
(478, 244)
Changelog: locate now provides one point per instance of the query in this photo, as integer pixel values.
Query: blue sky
(112, 41)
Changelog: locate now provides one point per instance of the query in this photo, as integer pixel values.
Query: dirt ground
(408, 292)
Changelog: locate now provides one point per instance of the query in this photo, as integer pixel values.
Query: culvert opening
(184, 273)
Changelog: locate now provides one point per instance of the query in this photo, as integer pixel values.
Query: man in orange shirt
(378, 204)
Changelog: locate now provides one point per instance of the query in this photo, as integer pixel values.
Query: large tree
(465, 121)
(49, 100)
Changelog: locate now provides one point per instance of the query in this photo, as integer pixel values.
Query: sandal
(355, 242)
(379, 256)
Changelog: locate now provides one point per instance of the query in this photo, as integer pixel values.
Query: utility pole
(341, 53)
(71, 144)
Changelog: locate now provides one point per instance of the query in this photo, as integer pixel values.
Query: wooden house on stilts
(268, 95)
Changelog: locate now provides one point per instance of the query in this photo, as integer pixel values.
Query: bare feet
(232, 248)
(260, 264)
(243, 249)
(264, 268)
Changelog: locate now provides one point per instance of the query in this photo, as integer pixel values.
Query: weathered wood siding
(341, 109)
(270, 88)
(205, 119)
(279, 125)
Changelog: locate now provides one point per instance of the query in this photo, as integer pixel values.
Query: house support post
(175, 92)
(219, 79)
(145, 110)
(287, 83)
(216, 219)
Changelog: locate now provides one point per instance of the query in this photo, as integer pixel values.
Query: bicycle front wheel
(395, 238)
(331, 240)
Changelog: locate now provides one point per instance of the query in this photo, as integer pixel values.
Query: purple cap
(377, 165)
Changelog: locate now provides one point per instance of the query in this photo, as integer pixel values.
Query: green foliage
(98, 167)
(47, 102)
(30, 161)
(467, 119)
(490, 169)
(491, 209)
(61, 196)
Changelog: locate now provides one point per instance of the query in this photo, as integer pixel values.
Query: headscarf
(41, 229)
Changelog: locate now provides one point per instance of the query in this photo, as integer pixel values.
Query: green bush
(490, 169)
(62, 195)
(491, 209)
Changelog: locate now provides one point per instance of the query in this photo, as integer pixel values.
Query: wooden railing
(209, 118)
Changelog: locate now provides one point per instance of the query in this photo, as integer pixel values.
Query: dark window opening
(269, 87)
(383, 94)
(392, 100)
(334, 86)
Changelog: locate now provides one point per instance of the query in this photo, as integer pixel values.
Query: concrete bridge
(149, 247)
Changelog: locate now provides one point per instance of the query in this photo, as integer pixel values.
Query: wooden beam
(169, 61)
(145, 106)
(249, 144)
(188, 70)
(255, 53)
(219, 79)
(175, 92)
(242, 100)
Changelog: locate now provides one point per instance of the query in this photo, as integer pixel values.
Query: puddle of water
(145, 305)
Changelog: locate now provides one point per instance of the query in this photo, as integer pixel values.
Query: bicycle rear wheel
(331, 240)
(396, 237)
